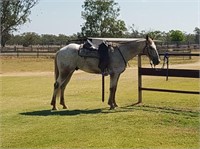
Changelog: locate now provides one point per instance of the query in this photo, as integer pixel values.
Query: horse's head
(151, 51)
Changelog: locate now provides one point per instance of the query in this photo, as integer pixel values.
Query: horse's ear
(148, 39)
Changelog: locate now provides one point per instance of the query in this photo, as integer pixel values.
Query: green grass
(164, 120)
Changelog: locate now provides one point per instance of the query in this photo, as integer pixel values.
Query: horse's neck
(132, 49)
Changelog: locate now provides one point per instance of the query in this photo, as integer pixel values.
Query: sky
(64, 16)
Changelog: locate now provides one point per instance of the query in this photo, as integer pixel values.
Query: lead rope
(166, 61)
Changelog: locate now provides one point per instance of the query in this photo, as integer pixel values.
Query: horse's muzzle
(156, 61)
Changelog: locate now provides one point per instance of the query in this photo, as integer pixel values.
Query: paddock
(161, 121)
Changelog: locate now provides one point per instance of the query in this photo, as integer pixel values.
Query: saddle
(89, 50)
(104, 57)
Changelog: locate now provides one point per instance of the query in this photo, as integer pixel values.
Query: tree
(13, 14)
(176, 36)
(155, 34)
(134, 32)
(30, 38)
(16, 40)
(101, 19)
(197, 35)
(48, 39)
(62, 39)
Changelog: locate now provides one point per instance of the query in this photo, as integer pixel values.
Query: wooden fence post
(17, 50)
(37, 52)
(139, 80)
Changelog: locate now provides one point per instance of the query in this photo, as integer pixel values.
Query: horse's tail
(56, 71)
(56, 74)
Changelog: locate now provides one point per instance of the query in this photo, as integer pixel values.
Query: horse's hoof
(112, 107)
(65, 107)
(54, 109)
(115, 105)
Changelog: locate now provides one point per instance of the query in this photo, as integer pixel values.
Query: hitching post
(103, 84)
(139, 80)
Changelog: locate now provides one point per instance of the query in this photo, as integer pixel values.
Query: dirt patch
(26, 74)
(195, 65)
(18, 74)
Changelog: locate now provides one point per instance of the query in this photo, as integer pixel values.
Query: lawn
(164, 120)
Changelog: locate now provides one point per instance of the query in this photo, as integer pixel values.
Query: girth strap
(122, 56)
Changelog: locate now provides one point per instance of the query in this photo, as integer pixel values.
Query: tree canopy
(177, 36)
(13, 14)
(197, 35)
(101, 19)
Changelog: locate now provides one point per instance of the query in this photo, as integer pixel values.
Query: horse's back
(71, 46)
(68, 50)
(68, 55)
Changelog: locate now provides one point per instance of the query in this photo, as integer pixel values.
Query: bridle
(147, 48)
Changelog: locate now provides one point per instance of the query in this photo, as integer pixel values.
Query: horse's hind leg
(59, 87)
(66, 81)
(55, 92)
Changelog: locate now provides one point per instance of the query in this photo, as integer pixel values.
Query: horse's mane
(129, 42)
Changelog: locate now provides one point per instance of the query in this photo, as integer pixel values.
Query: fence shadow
(166, 110)
(61, 113)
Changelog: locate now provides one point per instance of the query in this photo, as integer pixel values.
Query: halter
(148, 53)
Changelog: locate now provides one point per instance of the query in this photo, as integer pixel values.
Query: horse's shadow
(61, 113)
(128, 108)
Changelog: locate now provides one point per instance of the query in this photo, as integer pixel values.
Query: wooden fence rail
(30, 51)
(188, 73)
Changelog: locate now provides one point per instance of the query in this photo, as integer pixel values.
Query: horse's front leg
(113, 87)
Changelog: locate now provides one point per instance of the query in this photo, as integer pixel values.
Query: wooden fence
(30, 51)
(187, 73)
(50, 50)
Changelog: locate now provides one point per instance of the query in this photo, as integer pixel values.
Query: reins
(122, 56)
(165, 61)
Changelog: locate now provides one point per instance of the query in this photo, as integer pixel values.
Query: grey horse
(67, 60)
